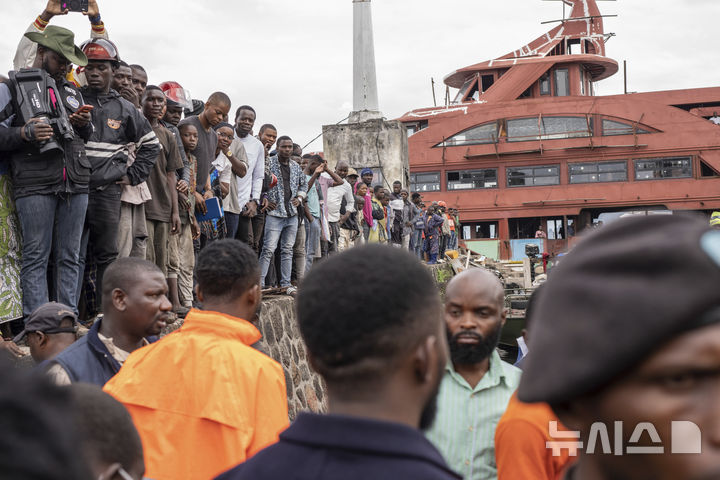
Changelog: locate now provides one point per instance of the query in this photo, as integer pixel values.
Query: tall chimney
(365, 96)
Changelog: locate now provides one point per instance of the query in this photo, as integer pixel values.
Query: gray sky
(292, 60)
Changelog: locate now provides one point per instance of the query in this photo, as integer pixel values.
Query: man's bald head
(477, 280)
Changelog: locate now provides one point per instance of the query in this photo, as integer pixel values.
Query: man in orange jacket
(202, 398)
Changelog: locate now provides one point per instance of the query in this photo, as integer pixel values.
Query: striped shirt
(464, 428)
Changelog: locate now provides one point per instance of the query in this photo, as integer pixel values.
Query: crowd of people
(130, 199)
(157, 175)
(623, 344)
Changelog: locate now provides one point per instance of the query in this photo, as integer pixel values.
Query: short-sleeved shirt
(224, 168)
(159, 207)
(313, 199)
(204, 152)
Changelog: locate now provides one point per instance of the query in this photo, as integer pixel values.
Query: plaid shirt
(298, 187)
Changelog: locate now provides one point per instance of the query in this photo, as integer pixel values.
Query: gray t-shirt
(205, 152)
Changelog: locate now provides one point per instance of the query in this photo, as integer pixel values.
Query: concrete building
(368, 140)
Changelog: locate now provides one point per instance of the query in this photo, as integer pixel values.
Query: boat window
(413, 128)
(562, 82)
(472, 179)
(485, 133)
(566, 127)
(487, 82)
(527, 129)
(523, 129)
(659, 168)
(598, 172)
(465, 89)
(706, 170)
(533, 176)
(545, 84)
(425, 182)
(480, 230)
(613, 127)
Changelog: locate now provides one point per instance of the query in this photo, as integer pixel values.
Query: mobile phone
(75, 5)
(85, 109)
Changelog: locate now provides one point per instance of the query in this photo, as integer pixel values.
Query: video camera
(37, 96)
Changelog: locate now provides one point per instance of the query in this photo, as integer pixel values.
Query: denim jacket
(298, 187)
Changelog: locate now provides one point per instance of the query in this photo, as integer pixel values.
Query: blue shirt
(313, 200)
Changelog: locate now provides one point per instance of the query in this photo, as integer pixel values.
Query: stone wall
(282, 341)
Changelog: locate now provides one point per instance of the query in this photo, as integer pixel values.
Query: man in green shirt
(477, 385)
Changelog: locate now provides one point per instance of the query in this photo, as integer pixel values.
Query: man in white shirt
(249, 187)
(333, 202)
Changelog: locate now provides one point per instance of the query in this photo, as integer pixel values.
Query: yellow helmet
(715, 219)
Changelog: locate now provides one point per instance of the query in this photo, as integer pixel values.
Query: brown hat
(47, 319)
(351, 172)
(622, 293)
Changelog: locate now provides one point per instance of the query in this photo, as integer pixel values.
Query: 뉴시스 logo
(685, 438)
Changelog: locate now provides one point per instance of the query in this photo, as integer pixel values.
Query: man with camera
(43, 128)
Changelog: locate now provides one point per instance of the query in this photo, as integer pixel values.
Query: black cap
(617, 297)
(47, 319)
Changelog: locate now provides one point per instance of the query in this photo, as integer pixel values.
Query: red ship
(527, 143)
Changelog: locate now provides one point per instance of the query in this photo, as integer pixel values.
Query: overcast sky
(292, 60)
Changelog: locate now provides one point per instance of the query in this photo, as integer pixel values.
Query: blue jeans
(231, 222)
(311, 240)
(453, 245)
(282, 230)
(51, 223)
(418, 243)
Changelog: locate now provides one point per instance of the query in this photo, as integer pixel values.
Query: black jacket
(334, 447)
(88, 359)
(117, 124)
(54, 172)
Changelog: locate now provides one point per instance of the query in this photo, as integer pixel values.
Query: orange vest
(202, 399)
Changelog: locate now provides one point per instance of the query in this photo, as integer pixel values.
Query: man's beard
(471, 354)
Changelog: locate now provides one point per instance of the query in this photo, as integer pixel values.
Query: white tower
(365, 95)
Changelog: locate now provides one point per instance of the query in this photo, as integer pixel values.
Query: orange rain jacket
(202, 399)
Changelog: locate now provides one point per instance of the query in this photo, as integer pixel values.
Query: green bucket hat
(61, 41)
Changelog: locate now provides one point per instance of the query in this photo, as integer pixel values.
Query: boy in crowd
(161, 211)
(189, 229)
(313, 173)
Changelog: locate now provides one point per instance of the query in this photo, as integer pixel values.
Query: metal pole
(432, 82)
(625, 74)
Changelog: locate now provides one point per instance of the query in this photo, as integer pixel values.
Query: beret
(618, 296)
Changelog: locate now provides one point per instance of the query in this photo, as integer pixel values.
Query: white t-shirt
(224, 168)
(250, 186)
(334, 199)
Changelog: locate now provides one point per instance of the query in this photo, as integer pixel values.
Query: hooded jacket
(202, 398)
(118, 123)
